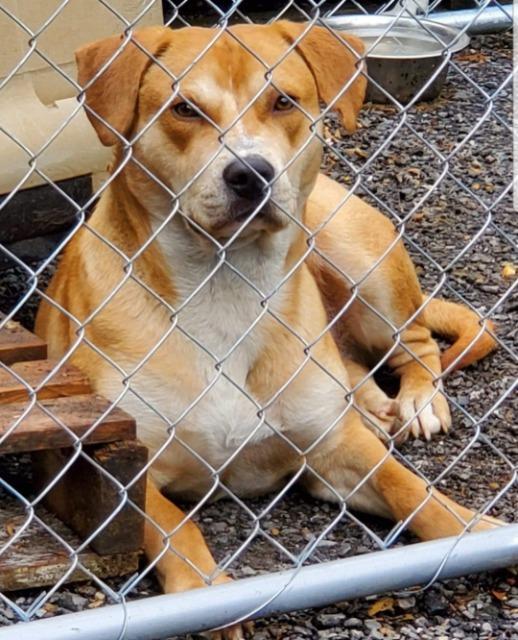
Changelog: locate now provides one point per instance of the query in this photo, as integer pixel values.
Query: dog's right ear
(333, 59)
(112, 95)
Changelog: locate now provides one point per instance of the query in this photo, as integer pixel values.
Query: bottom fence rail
(312, 586)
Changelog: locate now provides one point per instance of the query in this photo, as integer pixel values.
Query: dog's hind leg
(361, 470)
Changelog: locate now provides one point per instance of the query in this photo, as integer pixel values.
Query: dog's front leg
(187, 559)
(354, 457)
(357, 241)
(416, 360)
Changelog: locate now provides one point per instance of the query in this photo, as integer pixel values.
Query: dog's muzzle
(249, 182)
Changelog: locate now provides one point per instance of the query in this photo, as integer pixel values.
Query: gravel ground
(483, 606)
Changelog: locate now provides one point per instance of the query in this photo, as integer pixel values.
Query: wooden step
(85, 496)
(86, 511)
(66, 381)
(38, 431)
(36, 558)
(17, 344)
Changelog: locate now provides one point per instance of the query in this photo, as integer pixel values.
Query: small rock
(327, 543)
(328, 634)
(7, 612)
(372, 625)
(86, 590)
(328, 620)
(406, 603)
(71, 601)
(435, 602)
(352, 623)
(302, 631)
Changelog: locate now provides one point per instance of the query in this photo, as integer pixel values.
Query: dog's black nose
(248, 178)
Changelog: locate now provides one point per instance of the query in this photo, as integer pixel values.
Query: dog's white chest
(222, 322)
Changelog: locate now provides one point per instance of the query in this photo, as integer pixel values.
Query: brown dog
(213, 333)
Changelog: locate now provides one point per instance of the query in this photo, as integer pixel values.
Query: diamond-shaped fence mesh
(263, 325)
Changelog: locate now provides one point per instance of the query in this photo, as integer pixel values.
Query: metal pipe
(490, 20)
(313, 586)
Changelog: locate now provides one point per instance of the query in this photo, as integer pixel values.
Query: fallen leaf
(473, 57)
(508, 270)
(385, 604)
(500, 595)
(356, 151)
(99, 600)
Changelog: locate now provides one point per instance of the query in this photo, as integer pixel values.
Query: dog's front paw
(423, 410)
(235, 631)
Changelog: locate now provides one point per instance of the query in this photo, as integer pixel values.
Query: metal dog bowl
(404, 57)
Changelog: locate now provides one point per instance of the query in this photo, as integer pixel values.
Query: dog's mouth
(240, 215)
(243, 220)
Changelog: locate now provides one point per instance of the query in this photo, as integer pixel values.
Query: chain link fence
(440, 171)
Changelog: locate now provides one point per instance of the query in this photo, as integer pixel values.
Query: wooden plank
(84, 511)
(37, 559)
(38, 431)
(67, 381)
(17, 344)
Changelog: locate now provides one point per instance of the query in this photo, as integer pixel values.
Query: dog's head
(226, 120)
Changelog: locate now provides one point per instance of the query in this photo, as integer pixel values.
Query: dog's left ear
(332, 58)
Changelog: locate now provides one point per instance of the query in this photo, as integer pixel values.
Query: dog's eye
(184, 110)
(284, 103)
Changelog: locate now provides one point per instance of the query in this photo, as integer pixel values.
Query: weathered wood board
(38, 430)
(86, 496)
(36, 558)
(86, 511)
(18, 344)
(67, 381)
